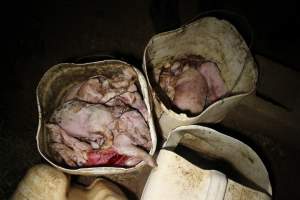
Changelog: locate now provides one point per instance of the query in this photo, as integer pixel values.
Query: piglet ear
(215, 82)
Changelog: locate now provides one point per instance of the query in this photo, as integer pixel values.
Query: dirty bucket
(217, 41)
(54, 85)
(177, 178)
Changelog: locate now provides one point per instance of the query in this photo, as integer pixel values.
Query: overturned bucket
(177, 178)
(53, 87)
(214, 40)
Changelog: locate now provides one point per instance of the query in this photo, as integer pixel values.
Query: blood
(106, 157)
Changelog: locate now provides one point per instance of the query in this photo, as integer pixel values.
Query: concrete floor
(40, 35)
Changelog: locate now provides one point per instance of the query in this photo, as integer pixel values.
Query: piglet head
(191, 91)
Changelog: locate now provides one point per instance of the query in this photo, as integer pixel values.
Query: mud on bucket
(51, 91)
(188, 175)
(210, 54)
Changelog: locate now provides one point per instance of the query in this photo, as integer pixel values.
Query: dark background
(38, 35)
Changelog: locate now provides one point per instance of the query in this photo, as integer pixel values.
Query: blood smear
(107, 157)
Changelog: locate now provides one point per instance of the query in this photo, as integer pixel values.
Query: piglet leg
(69, 148)
(62, 152)
(122, 145)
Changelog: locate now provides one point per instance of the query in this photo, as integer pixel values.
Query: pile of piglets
(101, 122)
(191, 83)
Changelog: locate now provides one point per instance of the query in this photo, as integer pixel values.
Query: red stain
(106, 157)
